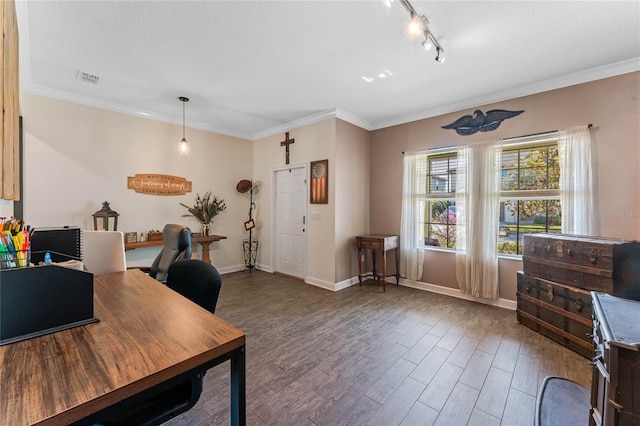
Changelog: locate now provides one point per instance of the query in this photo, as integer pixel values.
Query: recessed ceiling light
(382, 75)
(368, 79)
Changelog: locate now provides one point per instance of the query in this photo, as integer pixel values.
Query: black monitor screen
(63, 243)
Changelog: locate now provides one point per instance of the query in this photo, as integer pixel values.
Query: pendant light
(183, 145)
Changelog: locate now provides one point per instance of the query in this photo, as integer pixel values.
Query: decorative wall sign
(479, 121)
(320, 182)
(155, 184)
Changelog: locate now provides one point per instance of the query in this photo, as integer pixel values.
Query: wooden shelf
(197, 239)
(205, 242)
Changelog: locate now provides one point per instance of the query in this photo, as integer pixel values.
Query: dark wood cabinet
(615, 388)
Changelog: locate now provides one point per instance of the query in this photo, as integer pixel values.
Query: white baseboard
(447, 291)
(238, 268)
(320, 283)
(454, 292)
(265, 268)
(230, 269)
(331, 286)
(346, 283)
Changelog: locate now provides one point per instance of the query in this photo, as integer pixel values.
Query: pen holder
(15, 259)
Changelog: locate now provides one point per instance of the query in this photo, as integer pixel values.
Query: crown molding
(300, 122)
(312, 119)
(593, 74)
(353, 119)
(124, 109)
(598, 73)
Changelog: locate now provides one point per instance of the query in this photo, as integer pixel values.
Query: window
(440, 208)
(530, 194)
(530, 197)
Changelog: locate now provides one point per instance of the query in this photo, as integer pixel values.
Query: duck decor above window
(479, 121)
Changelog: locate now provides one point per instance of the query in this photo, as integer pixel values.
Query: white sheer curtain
(576, 181)
(477, 218)
(414, 187)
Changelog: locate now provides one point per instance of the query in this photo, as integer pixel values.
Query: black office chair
(177, 246)
(196, 280)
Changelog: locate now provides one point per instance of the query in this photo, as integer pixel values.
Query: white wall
(6, 208)
(312, 142)
(352, 188)
(76, 157)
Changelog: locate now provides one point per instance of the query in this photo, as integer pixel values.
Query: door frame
(274, 224)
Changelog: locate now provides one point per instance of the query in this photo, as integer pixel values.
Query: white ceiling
(255, 68)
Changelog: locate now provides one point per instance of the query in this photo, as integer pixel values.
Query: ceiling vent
(87, 78)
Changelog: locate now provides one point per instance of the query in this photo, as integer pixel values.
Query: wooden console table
(383, 243)
(205, 242)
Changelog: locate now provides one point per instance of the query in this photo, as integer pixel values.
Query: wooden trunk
(595, 264)
(559, 312)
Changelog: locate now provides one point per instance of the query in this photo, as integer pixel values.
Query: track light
(426, 43)
(416, 26)
(419, 25)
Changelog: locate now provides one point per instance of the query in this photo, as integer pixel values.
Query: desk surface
(147, 334)
(196, 239)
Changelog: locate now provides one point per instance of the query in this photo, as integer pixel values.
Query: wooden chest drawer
(556, 311)
(378, 242)
(573, 300)
(595, 264)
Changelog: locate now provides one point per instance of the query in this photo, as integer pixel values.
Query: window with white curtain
(530, 193)
(440, 207)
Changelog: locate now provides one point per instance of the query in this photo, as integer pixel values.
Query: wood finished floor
(363, 357)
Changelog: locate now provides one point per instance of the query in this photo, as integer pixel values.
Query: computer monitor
(63, 243)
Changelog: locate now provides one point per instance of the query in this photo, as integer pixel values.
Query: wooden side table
(382, 243)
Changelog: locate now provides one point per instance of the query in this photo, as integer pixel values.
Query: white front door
(291, 241)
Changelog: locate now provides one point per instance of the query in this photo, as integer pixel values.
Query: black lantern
(105, 213)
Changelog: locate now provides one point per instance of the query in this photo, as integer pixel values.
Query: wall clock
(320, 182)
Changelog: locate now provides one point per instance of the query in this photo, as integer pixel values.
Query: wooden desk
(382, 243)
(205, 242)
(147, 335)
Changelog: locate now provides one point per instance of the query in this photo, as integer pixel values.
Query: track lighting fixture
(419, 26)
(183, 145)
(426, 44)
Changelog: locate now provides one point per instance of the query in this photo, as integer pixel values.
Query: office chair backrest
(177, 246)
(196, 280)
(103, 251)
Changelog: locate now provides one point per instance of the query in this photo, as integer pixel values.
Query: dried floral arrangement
(206, 208)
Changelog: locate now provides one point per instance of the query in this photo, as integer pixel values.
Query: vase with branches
(205, 209)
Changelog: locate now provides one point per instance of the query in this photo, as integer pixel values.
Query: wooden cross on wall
(286, 142)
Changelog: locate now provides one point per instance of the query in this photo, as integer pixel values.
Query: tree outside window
(530, 188)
